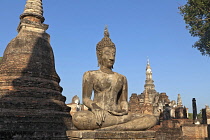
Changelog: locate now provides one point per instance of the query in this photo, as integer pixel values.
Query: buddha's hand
(119, 113)
(122, 110)
(99, 114)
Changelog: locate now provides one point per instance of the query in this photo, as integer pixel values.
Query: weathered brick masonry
(31, 102)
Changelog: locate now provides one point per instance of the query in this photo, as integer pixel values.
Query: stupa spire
(32, 17)
(148, 71)
(179, 100)
(147, 61)
(148, 68)
(33, 10)
(149, 83)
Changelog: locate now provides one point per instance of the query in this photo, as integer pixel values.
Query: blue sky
(139, 29)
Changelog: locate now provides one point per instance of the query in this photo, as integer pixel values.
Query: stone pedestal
(110, 135)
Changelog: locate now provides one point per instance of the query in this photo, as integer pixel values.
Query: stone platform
(110, 135)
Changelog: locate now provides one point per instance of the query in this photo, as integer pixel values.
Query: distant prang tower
(149, 86)
(150, 95)
(149, 83)
(31, 103)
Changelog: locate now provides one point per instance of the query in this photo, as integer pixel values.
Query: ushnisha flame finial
(33, 8)
(106, 41)
(106, 32)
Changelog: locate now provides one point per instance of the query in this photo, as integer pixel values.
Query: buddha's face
(108, 57)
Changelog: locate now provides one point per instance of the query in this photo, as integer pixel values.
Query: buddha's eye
(107, 53)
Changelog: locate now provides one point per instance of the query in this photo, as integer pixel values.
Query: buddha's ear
(99, 54)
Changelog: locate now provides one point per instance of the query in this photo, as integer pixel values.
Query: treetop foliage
(196, 14)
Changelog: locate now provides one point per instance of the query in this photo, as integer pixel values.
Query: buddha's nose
(111, 60)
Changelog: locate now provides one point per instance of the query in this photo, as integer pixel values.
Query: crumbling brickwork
(31, 102)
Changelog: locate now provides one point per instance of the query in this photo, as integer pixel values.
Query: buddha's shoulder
(91, 72)
(120, 75)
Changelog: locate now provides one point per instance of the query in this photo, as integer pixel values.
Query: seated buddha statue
(108, 110)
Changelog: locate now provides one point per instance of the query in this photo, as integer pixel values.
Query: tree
(0, 59)
(199, 115)
(196, 14)
(190, 116)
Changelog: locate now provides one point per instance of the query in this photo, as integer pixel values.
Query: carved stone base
(110, 135)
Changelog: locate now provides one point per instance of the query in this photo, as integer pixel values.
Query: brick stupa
(31, 102)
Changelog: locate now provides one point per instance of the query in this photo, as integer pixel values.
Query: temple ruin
(31, 102)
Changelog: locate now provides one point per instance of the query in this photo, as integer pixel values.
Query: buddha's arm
(87, 88)
(124, 96)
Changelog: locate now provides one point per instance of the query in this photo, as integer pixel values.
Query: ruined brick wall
(133, 105)
(192, 131)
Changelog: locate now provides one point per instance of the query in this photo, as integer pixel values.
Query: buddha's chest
(104, 82)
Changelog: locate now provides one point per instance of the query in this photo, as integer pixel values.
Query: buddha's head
(106, 51)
